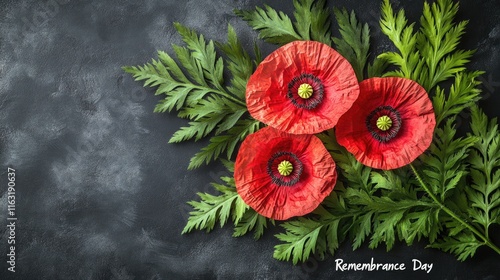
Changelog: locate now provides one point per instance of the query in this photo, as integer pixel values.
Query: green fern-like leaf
(211, 209)
(238, 62)
(203, 53)
(274, 27)
(251, 220)
(362, 228)
(240, 208)
(484, 193)
(463, 246)
(444, 165)
(385, 229)
(429, 55)
(224, 142)
(301, 239)
(312, 22)
(395, 27)
(194, 87)
(354, 43)
(377, 67)
(463, 93)
(226, 206)
(438, 40)
(198, 129)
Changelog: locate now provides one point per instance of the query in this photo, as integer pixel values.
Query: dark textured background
(100, 192)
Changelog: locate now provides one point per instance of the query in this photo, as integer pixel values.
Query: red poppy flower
(302, 88)
(390, 124)
(281, 175)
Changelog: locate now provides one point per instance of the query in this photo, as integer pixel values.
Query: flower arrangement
(338, 147)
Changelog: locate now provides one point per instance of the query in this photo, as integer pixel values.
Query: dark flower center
(305, 91)
(284, 168)
(384, 123)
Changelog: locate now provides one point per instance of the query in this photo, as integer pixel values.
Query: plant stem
(487, 197)
(235, 100)
(220, 92)
(448, 211)
(228, 96)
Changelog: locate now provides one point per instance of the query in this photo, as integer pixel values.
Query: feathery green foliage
(444, 166)
(225, 142)
(462, 94)
(355, 41)
(484, 192)
(222, 208)
(480, 199)
(429, 55)
(251, 220)
(212, 208)
(195, 88)
(464, 246)
(318, 235)
(312, 22)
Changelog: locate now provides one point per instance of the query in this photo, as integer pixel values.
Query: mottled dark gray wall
(101, 194)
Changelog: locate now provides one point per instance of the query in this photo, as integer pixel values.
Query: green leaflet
(211, 208)
(222, 208)
(319, 235)
(238, 62)
(484, 193)
(354, 45)
(463, 247)
(462, 94)
(355, 42)
(302, 237)
(251, 220)
(195, 88)
(428, 56)
(276, 28)
(395, 27)
(225, 142)
(444, 166)
(312, 22)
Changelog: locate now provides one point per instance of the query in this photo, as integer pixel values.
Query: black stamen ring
(378, 134)
(278, 179)
(314, 100)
